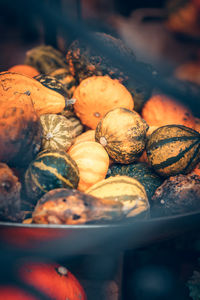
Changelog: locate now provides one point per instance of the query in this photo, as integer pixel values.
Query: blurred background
(165, 34)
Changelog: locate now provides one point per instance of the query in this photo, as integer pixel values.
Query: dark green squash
(140, 171)
(51, 169)
(173, 150)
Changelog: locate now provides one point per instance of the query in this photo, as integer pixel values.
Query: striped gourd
(173, 149)
(92, 161)
(51, 169)
(140, 171)
(122, 132)
(128, 191)
(58, 131)
(66, 78)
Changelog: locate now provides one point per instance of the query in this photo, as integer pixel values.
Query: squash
(96, 95)
(44, 99)
(177, 195)
(92, 161)
(72, 207)
(20, 131)
(45, 59)
(86, 61)
(24, 70)
(55, 85)
(51, 169)
(86, 136)
(66, 78)
(58, 131)
(126, 190)
(173, 149)
(122, 132)
(141, 172)
(160, 110)
(36, 279)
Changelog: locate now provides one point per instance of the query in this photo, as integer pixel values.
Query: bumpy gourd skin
(177, 195)
(85, 61)
(123, 134)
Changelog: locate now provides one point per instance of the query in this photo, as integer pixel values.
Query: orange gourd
(24, 70)
(161, 110)
(44, 99)
(20, 131)
(93, 162)
(87, 136)
(49, 280)
(96, 95)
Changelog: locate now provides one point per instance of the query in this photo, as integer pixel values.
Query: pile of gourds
(88, 149)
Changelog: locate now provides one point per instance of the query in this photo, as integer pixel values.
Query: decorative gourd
(87, 136)
(55, 85)
(96, 95)
(141, 172)
(122, 132)
(51, 169)
(161, 110)
(44, 99)
(45, 59)
(24, 70)
(34, 280)
(64, 76)
(178, 194)
(173, 149)
(20, 131)
(85, 61)
(62, 206)
(92, 161)
(58, 131)
(126, 190)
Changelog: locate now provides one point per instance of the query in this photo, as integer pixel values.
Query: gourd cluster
(81, 142)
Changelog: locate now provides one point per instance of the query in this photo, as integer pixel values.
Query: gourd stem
(69, 101)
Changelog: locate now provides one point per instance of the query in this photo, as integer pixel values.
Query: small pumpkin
(87, 136)
(122, 132)
(141, 172)
(126, 190)
(92, 161)
(96, 95)
(51, 169)
(20, 130)
(173, 149)
(52, 279)
(24, 70)
(58, 131)
(160, 110)
(37, 280)
(72, 207)
(44, 99)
